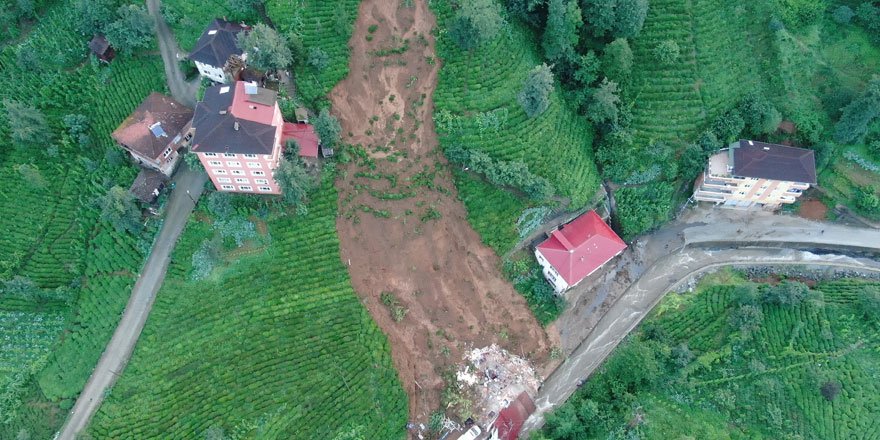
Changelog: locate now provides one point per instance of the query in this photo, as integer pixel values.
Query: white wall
(550, 273)
(211, 72)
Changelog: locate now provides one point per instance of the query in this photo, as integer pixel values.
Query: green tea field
(273, 343)
(740, 360)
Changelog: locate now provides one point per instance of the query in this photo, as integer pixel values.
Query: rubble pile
(496, 377)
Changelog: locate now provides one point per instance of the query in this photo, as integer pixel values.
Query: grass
(323, 24)
(274, 344)
(708, 379)
(480, 86)
(53, 234)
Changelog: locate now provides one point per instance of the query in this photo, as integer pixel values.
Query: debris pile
(496, 377)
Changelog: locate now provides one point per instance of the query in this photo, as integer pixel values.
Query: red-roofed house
(511, 419)
(305, 137)
(155, 132)
(576, 250)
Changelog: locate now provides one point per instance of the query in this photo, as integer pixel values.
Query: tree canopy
(535, 95)
(327, 127)
(477, 22)
(27, 124)
(859, 114)
(617, 61)
(266, 49)
(561, 31)
(132, 29)
(604, 103)
(120, 210)
(295, 182)
(93, 15)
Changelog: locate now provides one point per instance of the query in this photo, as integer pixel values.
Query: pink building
(238, 137)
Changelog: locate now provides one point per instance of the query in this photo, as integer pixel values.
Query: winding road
(744, 239)
(187, 189)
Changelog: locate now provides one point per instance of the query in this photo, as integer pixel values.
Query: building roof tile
(217, 43)
(771, 161)
(153, 125)
(580, 247)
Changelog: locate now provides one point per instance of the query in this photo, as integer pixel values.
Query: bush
(843, 14)
(786, 293)
(501, 173)
(859, 114)
(667, 52)
(747, 319)
(867, 200)
(830, 390)
(220, 204)
(318, 59)
(728, 126)
(477, 22)
(535, 95)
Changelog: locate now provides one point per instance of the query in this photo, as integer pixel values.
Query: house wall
(165, 163)
(243, 173)
(746, 191)
(212, 72)
(551, 274)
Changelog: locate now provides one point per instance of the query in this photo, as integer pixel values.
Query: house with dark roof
(214, 48)
(147, 185)
(155, 132)
(238, 132)
(576, 250)
(751, 174)
(100, 47)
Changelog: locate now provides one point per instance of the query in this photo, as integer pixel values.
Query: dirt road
(423, 273)
(182, 91)
(118, 351)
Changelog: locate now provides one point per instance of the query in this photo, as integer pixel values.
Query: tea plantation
(66, 274)
(275, 344)
(476, 108)
(740, 360)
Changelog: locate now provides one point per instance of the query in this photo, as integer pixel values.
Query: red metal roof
(580, 247)
(305, 137)
(259, 107)
(511, 419)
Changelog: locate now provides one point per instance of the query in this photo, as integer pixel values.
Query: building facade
(238, 137)
(214, 48)
(752, 174)
(155, 133)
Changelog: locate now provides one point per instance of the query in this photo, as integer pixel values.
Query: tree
(830, 390)
(869, 303)
(26, 8)
(666, 52)
(600, 14)
(244, 7)
(603, 107)
(869, 16)
(327, 127)
(617, 61)
(759, 115)
(133, 29)
(867, 200)
(477, 22)
(747, 318)
(28, 125)
(220, 204)
(859, 114)
(786, 293)
(535, 95)
(266, 49)
(561, 30)
(728, 126)
(692, 163)
(843, 14)
(630, 17)
(77, 127)
(295, 182)
(318, 59)
(587, 70)
(119, 209)
(92, 16)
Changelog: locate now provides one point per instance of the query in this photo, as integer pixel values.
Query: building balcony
(709, 196)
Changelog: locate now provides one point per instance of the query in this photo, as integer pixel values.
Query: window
(210, 154)
(230, 155)
(237, 173)
(219, 171)
(167, 152)
(250, 156)
(245, 188)
(267, 157)
(265, 189)
(241, 180)
(261, 181)
(227, 187)
(742, 193)
(254, 165)
(214, 163)
(233, 163)
(224, 180)
(258, 173)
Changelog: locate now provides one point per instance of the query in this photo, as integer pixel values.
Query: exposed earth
(813, 210)
(420, 269)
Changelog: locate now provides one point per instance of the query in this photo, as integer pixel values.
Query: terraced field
(322, 24)
(674, 102)
(804, 370)
(482, 85)
(274, 345)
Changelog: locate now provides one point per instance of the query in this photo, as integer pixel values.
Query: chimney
(222, 112)
(235, 126)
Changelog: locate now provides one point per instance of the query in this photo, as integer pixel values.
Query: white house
(215, 46)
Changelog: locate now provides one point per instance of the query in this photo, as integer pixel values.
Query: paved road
(664, 271)
(118, 351)
(181, 90)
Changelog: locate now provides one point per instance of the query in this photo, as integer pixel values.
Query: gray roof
(771, 161)
(217, 43)
(218, 131)
(147, 185)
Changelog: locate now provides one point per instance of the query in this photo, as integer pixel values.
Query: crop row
(280, 331)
